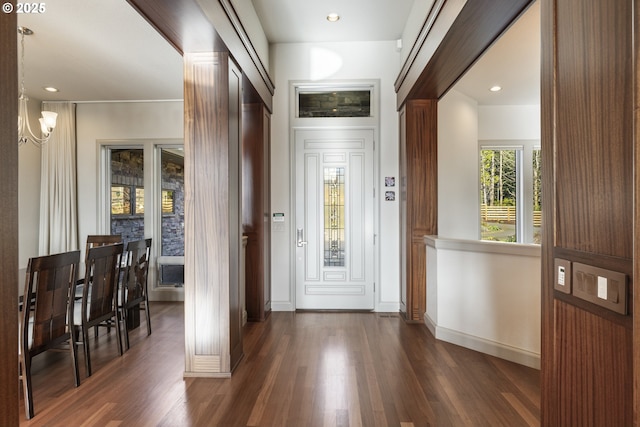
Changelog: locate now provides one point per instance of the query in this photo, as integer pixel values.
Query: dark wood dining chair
(134, 297)
(94, 240)
(99, 296)
(46, 320)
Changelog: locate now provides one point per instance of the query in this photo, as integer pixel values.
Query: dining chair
(133, 294)
(99, 296)
(94, 240)
(47, 314)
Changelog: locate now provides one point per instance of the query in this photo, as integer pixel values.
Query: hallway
(299, 369)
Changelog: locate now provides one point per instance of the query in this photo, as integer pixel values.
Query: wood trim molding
(226, 23)
(246, 41)
(460, 34)
(635, 300)
(206, 26)
(432, 33)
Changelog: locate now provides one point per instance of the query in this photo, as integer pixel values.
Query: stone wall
(127, 168)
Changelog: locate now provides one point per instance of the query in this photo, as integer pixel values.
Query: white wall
(481, 295)
(326, 62)
(510, 122)
(458, 163)
(485, 296)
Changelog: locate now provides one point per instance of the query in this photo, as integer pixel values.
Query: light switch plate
(605, 288)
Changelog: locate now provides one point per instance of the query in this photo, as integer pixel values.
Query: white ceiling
(102, 50)
(292, 21)
(513, 62)
(98, 50)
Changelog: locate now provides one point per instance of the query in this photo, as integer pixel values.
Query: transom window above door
(334, 103)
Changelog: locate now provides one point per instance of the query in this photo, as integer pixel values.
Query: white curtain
(58, 201)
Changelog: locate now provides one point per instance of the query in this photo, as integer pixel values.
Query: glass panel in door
(127, 193)
(171, 206)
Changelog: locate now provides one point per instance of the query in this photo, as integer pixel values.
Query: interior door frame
(356, 123)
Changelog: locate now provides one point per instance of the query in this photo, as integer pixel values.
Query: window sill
(483, 246)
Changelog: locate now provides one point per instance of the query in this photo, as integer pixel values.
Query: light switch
(605, 288)
(602, 287)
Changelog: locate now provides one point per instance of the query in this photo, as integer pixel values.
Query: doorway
(334, 211)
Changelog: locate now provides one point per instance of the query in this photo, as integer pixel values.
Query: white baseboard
(388, 307)
(282, 306)
(493, 348)
(288, 306)
(431, 325)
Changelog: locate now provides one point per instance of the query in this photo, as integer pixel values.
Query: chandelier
(48, 119)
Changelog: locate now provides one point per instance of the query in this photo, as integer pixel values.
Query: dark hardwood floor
(299, 369)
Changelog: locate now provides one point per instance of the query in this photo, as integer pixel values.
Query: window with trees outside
(510, 192)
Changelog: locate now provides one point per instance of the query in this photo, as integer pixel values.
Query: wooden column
(256, 205)
(212, 102)
(588, 145)
(419, 200)
(9, 391)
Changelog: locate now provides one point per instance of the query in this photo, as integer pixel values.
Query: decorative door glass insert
(334, 244)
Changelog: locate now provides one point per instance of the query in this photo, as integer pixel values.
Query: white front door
(334, 188)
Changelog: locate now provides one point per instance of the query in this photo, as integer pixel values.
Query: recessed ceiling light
(333, 17)
(50, 89)
(495, 88)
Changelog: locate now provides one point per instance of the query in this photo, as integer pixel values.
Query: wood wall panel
(419, 203)
(592, 374)
(256, 209)
(9, 391)
(197, 26)
(457, 46)
(588, 81)
(234, 183)
(594, 98)
(635, 297)
(212, 215)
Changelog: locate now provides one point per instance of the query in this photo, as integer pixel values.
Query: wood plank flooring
(299, 369)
